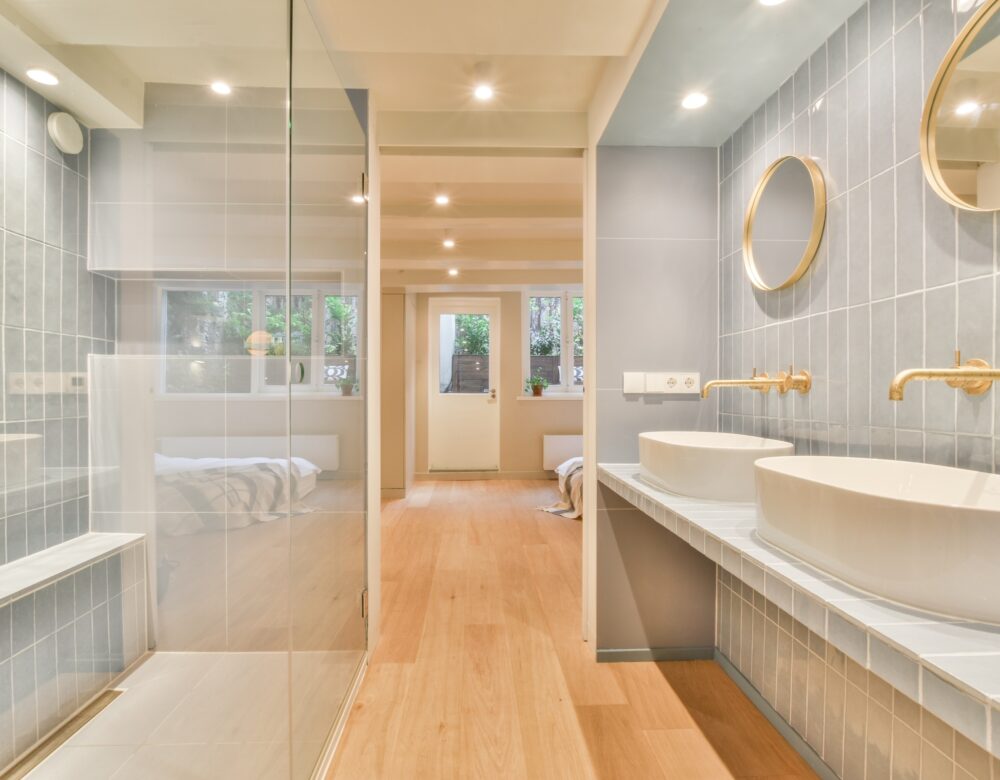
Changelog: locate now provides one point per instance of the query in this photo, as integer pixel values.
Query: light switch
(633, 382)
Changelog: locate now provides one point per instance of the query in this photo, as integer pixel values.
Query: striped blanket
(570, 502)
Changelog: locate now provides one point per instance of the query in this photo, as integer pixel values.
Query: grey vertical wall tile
(857, 125)
(879, 22)
(975, 339)
(880, 102)
(858, 246)
(940, 221)
(975, 244)
(883, 362)
(883, 236)
(908, 68)
(836, 56)
(909, 354)
(14, 185)
(909, 221)
(817, 74)
(859, 370)
(857, 37)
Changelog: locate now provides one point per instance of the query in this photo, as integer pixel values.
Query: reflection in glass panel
(464, 353)
(545, 337)
(577, 341)
(206, 323)
(300, 332)
(340, 341)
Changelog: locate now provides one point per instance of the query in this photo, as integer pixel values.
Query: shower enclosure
(214, 626)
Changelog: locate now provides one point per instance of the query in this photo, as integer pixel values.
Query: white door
(463, 408)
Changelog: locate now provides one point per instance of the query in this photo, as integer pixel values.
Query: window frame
(259, 291)
(566, 356)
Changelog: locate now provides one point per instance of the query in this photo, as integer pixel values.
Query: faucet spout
(975, 377)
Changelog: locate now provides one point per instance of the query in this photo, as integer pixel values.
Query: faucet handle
(958, 358)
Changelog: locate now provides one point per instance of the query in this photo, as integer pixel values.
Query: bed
(570, 475)
(202, 494)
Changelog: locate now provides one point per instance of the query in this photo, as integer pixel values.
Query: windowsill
(552, 397)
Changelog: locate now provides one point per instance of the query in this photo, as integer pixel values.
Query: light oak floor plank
(481, 671)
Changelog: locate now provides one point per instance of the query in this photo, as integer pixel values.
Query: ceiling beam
(93, 83)
(497, 129)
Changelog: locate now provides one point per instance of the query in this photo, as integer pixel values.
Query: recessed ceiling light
(452, 272)
(357, 198)
(442, 200)
(694, 100)
(483, 92)
(43, 77)
(448, 243)
(966, 108)
(221, 88)
(771, 2)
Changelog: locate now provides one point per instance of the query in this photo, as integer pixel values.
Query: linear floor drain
(58, 737)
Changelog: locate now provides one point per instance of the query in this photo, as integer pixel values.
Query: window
(464, 353)
(237, 341)
(555, 339)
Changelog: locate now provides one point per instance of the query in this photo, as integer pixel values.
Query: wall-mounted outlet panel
(673, 382)
(47, 383)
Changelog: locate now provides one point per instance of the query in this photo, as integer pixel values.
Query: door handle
(299, 373)
(493, 394)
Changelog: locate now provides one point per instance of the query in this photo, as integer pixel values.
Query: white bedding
(195, 494)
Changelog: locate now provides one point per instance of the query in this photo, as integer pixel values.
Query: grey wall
(657, 287)
(657, 282)
(902, 278)
(55, 312)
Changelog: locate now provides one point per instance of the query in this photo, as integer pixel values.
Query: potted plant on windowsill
(346, 386)
(536, 385)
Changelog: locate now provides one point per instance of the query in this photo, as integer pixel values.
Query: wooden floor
(481, 671)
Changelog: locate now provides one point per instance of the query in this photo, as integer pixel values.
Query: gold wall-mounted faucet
(975, 377)
(762, 383)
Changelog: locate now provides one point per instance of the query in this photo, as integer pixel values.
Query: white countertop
(950, 666)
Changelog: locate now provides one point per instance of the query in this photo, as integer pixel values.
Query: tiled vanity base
(857, 723)
(65, 641)
(945, 675)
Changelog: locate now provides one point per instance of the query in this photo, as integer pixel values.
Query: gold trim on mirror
(815, 233)
(929, 121)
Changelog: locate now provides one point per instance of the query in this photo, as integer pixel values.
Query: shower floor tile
(209, 716)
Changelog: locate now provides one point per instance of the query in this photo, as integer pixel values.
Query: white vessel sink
(927, 536)
(701, 464)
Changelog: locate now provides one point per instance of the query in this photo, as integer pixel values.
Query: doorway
(464, 375)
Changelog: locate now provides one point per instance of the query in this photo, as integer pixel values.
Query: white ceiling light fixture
(357, 198)
(43, 76)
(771, 2)
(448, 243)
(694, 100)
(221, 88)
(483, 76)
(452, 272)
(966, 108)
(442, 199)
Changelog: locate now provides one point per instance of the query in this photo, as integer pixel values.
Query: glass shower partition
(228, 427)
(326, 342)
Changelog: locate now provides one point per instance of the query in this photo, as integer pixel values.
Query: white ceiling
(506, 212)
(735, 51)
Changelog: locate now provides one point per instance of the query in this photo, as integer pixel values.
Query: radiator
(559, 449)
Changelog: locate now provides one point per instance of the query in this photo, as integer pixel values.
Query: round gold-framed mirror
(960, 127)
(784, 222)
